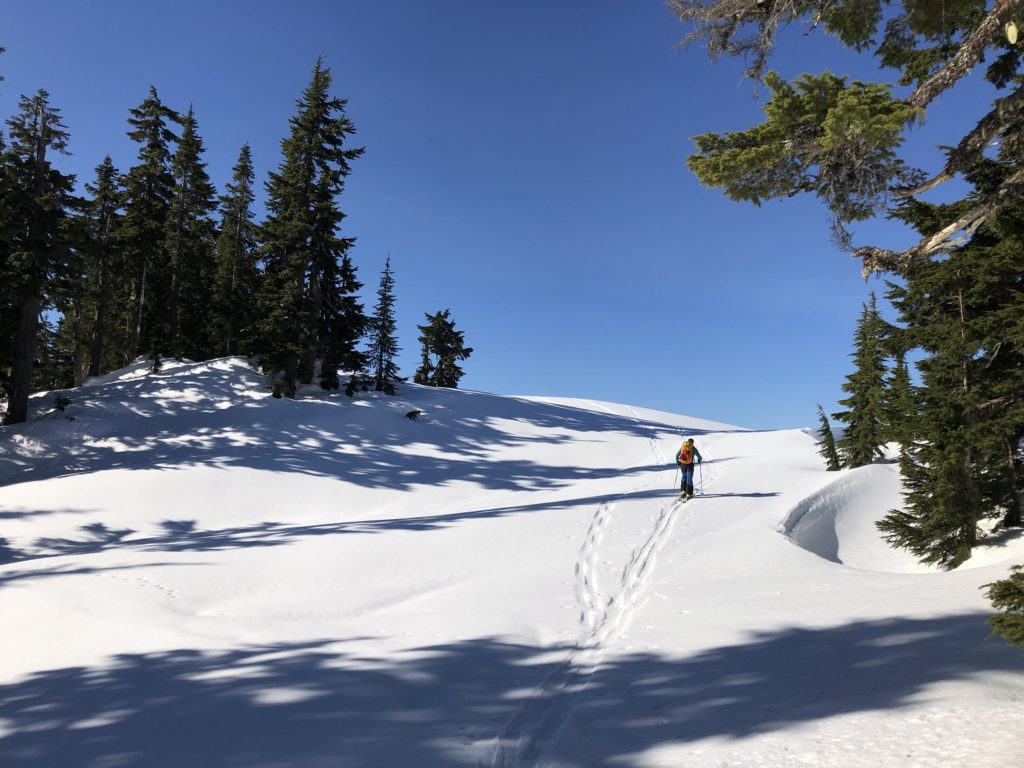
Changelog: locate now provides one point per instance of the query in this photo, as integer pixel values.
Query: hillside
(193, 573)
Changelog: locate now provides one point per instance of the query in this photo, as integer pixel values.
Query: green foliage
(382, 343)
(964, 460)
(148, 190)
(307, 305)
(820, 135)
(237, 274)
(864, 436)
(827, 442)
(1007, 595)
(189, 245)
(840, 141)
(899, 405)
(37, 249)
(106, 271)
(442, 349)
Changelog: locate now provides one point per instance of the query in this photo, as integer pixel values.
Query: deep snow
(193, 573)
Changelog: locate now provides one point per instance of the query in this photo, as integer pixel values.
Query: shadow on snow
(214, 414)
(308, 705)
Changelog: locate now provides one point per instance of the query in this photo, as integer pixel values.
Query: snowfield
(193, 573)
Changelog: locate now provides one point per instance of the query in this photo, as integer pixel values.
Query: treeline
(152, 262)
(960, 428)
(957, 291)
(959, 425)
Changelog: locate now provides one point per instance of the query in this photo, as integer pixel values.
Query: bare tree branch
(1006, 112)
(970, 53)
(883, 260)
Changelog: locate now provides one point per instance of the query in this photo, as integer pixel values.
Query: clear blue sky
(524, 167)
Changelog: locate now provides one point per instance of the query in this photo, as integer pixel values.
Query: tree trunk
(99, 323)
(311, 333)
(78, 372)
(100, 317)
(24, 359)
(140, 303)
(1014, 517)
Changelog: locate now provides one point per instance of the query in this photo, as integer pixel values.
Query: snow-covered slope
(193, 573)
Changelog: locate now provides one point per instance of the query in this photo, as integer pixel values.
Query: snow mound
(837, 522)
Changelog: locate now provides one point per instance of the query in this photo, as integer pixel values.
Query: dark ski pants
(687, 485)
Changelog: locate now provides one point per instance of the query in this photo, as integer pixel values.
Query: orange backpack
(685, 457)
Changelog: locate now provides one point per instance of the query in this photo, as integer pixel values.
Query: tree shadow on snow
(186, 536)
(214, 414)
(753, 495)
(308, 705)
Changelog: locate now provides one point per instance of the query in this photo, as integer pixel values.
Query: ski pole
(674, 477)
(700, 466)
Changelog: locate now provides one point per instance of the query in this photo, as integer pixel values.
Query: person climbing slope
(685, 458)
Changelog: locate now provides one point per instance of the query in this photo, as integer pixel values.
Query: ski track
(538, 722)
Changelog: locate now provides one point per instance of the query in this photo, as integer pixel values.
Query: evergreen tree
(383, 344)
(1007, 595)
(964, 464)
(827, 442)
(898, 404)
(942, 504)
(842, 140)
(37, 201)
(307, 303)
(237, 276)
(443, 348)
(861, 443)
(63, 341)
(148, 190)
(189, 247)
(104, 264)
(8, 281)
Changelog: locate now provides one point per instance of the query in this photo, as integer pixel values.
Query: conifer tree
(942, 505)
(149, 188)
(104, 263)
(827, 443)
(383, 344)
(8, 314)
(237, 277)
(861, 443)
(189, 245)
(63, 341)
(842, 140)
(898, 404)
(37, 201)
(307, 303)
(964, 465)
(1007, 596)
(442, 347)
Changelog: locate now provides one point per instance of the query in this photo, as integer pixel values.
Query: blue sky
(524, 167)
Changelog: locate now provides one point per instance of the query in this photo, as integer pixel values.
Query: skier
(685, 457)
